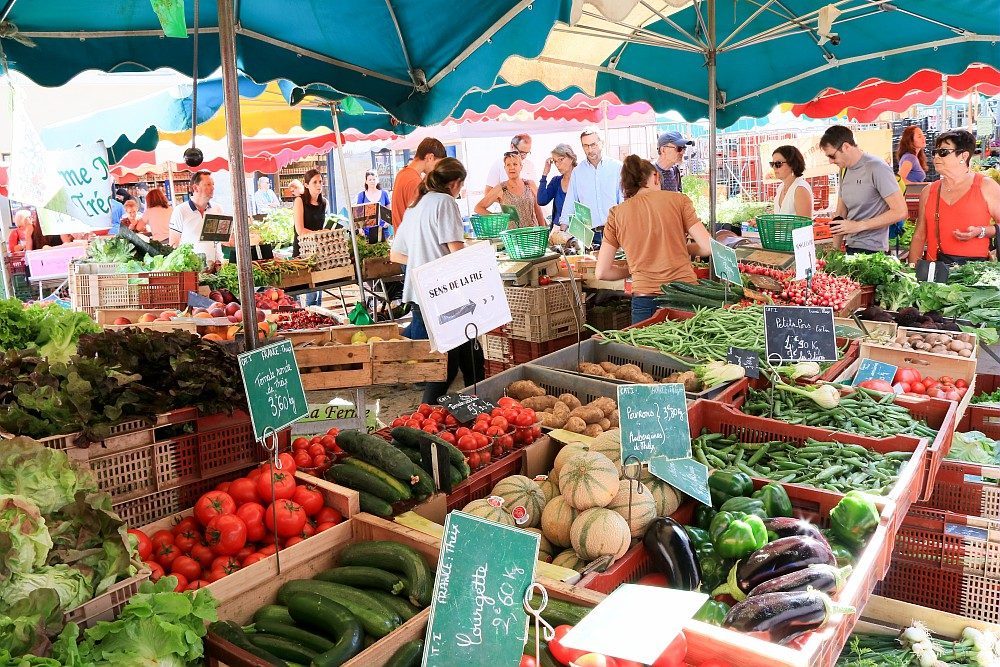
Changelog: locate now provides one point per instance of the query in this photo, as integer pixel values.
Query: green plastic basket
(489, 226)
(776, 230)
(526, 242)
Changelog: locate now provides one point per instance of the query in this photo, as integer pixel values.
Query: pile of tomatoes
(236, 525)
(314, 455)
(909, 382)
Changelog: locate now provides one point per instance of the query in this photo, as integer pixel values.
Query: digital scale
(527, 271)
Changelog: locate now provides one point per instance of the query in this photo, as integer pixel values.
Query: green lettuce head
(24, 539)
(44, 475)
(69, 584)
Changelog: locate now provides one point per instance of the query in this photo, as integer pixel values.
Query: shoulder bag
(934, 271)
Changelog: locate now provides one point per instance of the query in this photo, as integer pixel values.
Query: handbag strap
(937, 220)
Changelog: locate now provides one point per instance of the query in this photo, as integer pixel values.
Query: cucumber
(381, 454)
(399, 605)
(374, 505)
(332, 620)
(410, 437)
(234, 634)
(413, 455)
(376, 619)
(360, 576)
(560, 612)
(400, 487)
(273, 612)
(456, 476)
(362, 480)
(408, 655)
(283, 648)
(294, 634)
(395, 557)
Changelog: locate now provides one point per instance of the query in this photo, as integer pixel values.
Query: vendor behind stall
(652, 226)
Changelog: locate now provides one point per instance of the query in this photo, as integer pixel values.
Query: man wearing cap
(670, 152)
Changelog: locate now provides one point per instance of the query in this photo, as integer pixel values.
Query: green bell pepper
(713, 612)
(753, 506)
(703, 515)
(736, 534)
(726, 484)
(713, 569)
(853, 519)
(775, 499)
(699, 536)
(843, 555)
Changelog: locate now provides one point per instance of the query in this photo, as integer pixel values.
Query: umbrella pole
(713, 165)
(943, 125)
(234, 137)
(347, 199)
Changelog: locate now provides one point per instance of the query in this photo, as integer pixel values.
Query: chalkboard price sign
(748, 359)
(800, 333)
(869, 369)
(483, 571)
(724, 263)
(274, 388)
(465, 407)
(684, 474)
(654, 421)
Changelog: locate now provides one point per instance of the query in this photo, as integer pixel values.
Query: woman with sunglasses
(794, 196)
(958, 213)
(516, 192)
(373, 192)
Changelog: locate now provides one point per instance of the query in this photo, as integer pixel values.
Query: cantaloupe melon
(643, 505)
(600, 532)
(566, 452)
(569, 559)
(521, 491)
(554, 478)
(485, 509)
(557, 518)
(588, 479)
(549, 488)
(609, 443)
(545, 548)
(666, 497)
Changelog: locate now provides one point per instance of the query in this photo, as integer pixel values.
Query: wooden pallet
(407, 361)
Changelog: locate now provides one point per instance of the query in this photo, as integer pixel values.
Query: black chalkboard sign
(465, 407)
(748, 359)
(434, 459)
(800, 333)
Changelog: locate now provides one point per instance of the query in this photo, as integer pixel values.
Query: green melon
(643, 505)
(483, 508)
(549, 488)
(600, 532)
(557, 518)
(666, 497)
(545, 548)
(588, 479)
(609, 443)
(569, 559)
(521, 491)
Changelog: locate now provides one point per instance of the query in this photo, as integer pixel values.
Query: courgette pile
(384, 473)
(327, 620)
(706, 294)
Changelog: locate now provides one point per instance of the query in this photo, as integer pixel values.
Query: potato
(606, 405)
(570, 400)
(613, 418)
(593, 430)
(539, 403)
(589, 414)
(550, 420)
(523, 389)
(575, 425)
(609, 367)
(561, 408)
(630, 373)
(592, 369)
(605, 424)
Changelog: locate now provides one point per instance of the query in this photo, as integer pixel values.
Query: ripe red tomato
(595, 660)
(290, 518)
(293, 540)
(961, 384)
(654, 579)
(254, 474)
(196, 584)
(450, 421)
(474, 460)
(253, 516)
(526, 418)
(214, 575)
(507, 402)
(202, 554)
(308, 531)
(287, 462)
(227, 564)
(500, 423)
(414, 423)
(495, 431)
(144, 546)
(563, 654)
(317, 450)
(484, 458)
(268, 550)
(467, 443)
(425, 409)
(224, 487)
(480, 427)
(447, 437)
(309, 498)
(397, 422)
(326, 525)
(528, 661)
(506, 442)
(226, 534)
(321, 461)
(156, 570)
(328, 515)
(462, 430)
(300, 443)
(303, 459)
(186, 566)
(674, 654)
(186, 540)
(244, 552)
(161, 537)
(186, 522)
(284, 485)
(328, 442)
(544, 280)
(243, 490)
(213, 504)
(907, 375)
(166, 554)
(430, 427)
(255, 557)
(481, 440)
(182, 583)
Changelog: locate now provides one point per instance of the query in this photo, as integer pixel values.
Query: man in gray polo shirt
(869, 200)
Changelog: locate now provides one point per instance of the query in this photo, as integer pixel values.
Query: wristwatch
(982, 233)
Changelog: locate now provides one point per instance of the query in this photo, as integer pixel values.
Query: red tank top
(969, 210)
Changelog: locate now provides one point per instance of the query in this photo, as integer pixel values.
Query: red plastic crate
(967, 488)
(984, 418)
(480, 483)
(504, 348)
(168, 289)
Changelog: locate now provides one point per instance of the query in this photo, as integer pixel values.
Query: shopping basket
(489, 226)
(526, 242)
(776, 230)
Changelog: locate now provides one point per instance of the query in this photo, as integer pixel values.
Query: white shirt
(265, 200)
(187, 220)
(499, 174)
(598, 188)
(426, 231)
(787, 206)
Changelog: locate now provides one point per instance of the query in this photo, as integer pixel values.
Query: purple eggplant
(781, 526)
(784, 616)
(819, 576)
(777, 558)
(670, 549)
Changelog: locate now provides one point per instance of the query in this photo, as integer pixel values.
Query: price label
(477, 610)
(216, 228)
(654, 421)
(465, 407)
(798, 333)
(686, 474)
(804, 244)
(196, 300)
(273, 385)
(869, 369)
(748, 359)
(725, 264)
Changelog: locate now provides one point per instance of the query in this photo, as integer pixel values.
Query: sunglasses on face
(944, 152)
(831, 156)
(776, 164)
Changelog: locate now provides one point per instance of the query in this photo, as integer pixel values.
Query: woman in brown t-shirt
(652, 226)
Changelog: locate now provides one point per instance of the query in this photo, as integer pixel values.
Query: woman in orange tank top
(958, 213)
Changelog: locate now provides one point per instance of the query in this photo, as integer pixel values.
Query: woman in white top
(794, 195)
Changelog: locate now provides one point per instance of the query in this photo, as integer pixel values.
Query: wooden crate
(407, 361)
(373, 268)
(297, 279)
(106, 317)
(890, 617)
(328, 359)
(330, 275)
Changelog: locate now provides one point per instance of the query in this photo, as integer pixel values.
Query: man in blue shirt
(669, 154)
(595, 183)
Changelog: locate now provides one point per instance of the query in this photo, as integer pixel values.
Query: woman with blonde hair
(516, 192)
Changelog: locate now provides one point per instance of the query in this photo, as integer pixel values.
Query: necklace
(949, 188)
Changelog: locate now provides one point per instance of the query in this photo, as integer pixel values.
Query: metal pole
(170, 179)
(234, 136)
(347, 199)
(712, 101)
(943, 125)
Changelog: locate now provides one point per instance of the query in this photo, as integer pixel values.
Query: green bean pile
(707, 336)
(863, 412)
(833, 466)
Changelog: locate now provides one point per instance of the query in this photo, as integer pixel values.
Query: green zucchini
(234, 634)
(408, 655)
(381, 454)
(410, 437)
(399, 605)
(333, 620)
(361, 480)
(377, 619)
(400, 488)
(374, 505)
(283, 648)
(273, 612)
(293, 633)
(456, 476)
(395, 557)
(360, 576)
(560, 612)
